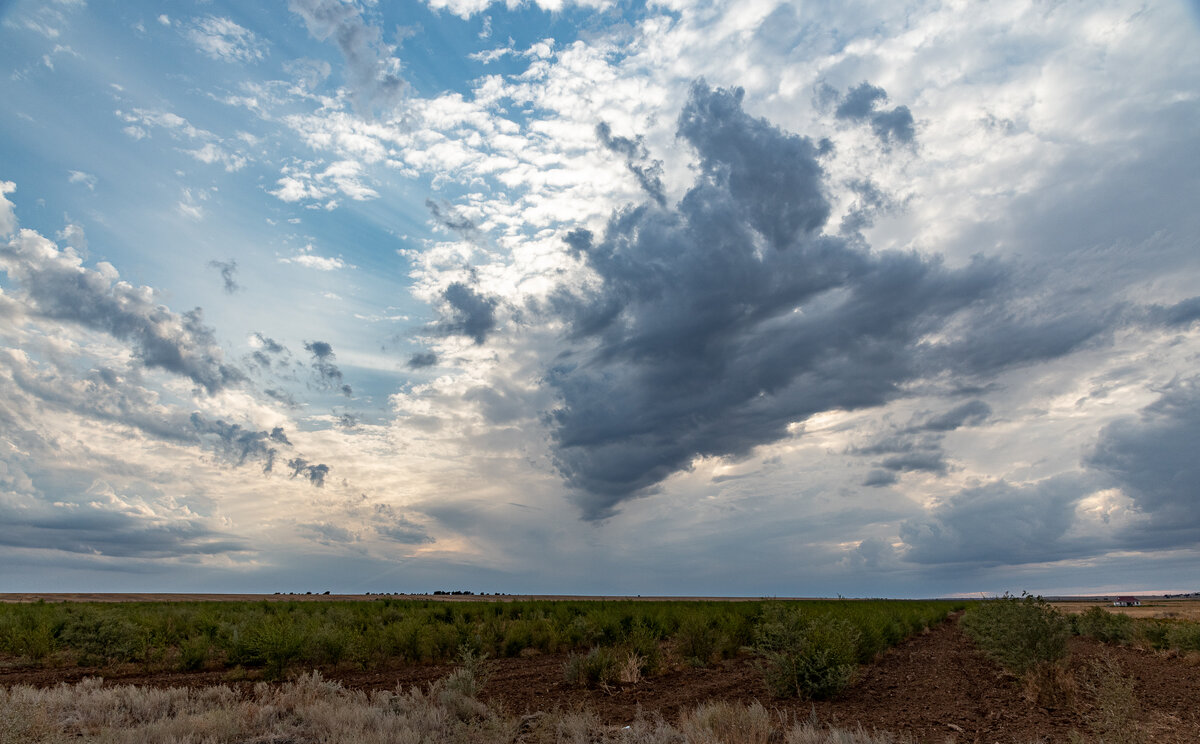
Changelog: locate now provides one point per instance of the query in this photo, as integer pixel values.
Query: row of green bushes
(808, 650)
(1025, 633)
(793, 638)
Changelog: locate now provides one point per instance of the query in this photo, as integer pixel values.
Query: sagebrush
(1021, 633)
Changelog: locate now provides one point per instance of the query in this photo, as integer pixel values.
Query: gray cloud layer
(228, 271)
(327, 372)
(918, 446)
(468, 313)
(54, 285)
(372, 74)
(648, 174)
(998, 524)
(720, 321)
(861, 103)
(1153, 459)
(97, 528)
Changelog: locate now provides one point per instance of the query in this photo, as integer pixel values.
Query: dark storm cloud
(719, 322)
(931, 461)
(323, 366)
(270, 345)
(1180, 314)
(422, 359)
(999, 524)
(648, 175)
(270, 353)
(1028, 329)
(918, 446)
(871, 201)
(228, 269)
(371, 73)
(861, 104)
(971, 413)
(906, 453)
(55, 286)
(468, 313)
(281, 396)
(315, 474)
(234, 444)
(1153, 459)
(879, 478)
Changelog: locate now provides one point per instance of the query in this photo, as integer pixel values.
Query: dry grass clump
(727, 723)
(310, 710)
(1116, 708)
(810, 733)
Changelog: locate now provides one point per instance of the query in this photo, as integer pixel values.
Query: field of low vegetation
(1014, 669)
(1031, 639)
(805, 648)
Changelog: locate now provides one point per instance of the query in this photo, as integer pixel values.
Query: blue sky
(679, 297)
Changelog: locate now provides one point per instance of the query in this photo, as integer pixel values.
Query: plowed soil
(936, 687)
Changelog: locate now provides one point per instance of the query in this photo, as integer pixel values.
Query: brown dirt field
(935, 688)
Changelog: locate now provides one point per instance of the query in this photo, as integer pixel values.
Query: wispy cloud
(224, 40)
(310, 260)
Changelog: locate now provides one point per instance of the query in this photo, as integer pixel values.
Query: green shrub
(193, 654)
(102, 638)
(643, 641)
(1184, 636)
(597, 668)
(1020, 633)
(275, 644)
(1153, 633)
(1104, 626)
(29, 637)
(808, 656)
(696, 640)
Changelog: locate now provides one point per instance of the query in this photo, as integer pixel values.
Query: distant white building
(1127, 602)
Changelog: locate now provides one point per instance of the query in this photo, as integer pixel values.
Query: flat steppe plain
(1174, 608)
(168, 597)
(934, 687)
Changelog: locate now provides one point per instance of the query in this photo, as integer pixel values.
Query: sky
(666, 297)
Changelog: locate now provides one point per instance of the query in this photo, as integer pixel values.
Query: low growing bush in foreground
(596, 668)
(806, 655)
(1021, 633)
